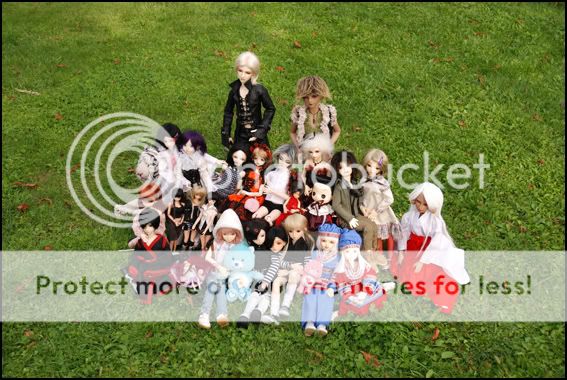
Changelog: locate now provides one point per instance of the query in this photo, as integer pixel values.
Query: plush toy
(311, 274)
(320, 211)
(240, 263)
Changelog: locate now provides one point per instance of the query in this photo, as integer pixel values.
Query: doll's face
(259, 161)
(315, 154)
(197, 198)
(296, 234)
(284, 160)
(297, 194)
(345, 170)
(244, 74)
(420, 204)
(229, 236)
(239, 157)
(278, 245)
(188, 148)
(328, 243)
(169, 142)
(261, 238)
(149, 229)
(312, 100)
(372, 169)
(350, 254)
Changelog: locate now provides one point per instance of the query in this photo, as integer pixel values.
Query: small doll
(175, 217)
(276, 183)
(377, 198)
(250, 195)
(346, 202)
(268, 263)
(355, 278)
(292, 205)
(150, 263)
(158, 163)
(255, 232)
(205, 222)
(197, 166)
(248, 97)
(149, 196)
(198, 194)
(320, 210)
(227, 181)
(318, 304)
(191, 272)
(298, 254)
(427, 253)
(313, 117)
(316, 150)
(227, 233)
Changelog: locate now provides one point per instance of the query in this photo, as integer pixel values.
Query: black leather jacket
(257, 97)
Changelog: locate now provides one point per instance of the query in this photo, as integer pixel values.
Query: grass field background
(456, 80)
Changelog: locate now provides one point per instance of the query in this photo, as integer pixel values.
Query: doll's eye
(322, 196)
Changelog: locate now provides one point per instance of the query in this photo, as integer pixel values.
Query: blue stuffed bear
(239, 261)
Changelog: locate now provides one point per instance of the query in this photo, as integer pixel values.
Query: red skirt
(431, 281)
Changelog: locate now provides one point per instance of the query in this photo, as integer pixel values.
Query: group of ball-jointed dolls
(266, 226)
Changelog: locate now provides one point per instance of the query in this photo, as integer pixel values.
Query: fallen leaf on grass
(523, 229)
(23, 207)
(433, 44)
(58, 116)
(541, 162)
(448, 59)
(317, 354)
(370, 359)
(46, 200)
(220, 53)
(28, 185)
(131, 170)
(48, 248)
(314, 34)
(480, 34)
(253, 46)
(537, 117)
(283, 102)
(297, 44)
(28, 333)
(75, 167)
(473, 21)
(149, 334)
(435, 334)
(116, 61)
(497, 66)
(356, 128)
(61, 65)
(280, 68)
(462, 124)
(482, 79)
(531, 186)
(28, 92)
(519, 21)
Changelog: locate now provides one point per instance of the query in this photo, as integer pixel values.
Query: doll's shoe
(284, 311)
(309, 329)
(388, 286)
(204, 321)
(243, 322)
(255, 316)
(222, 320)
(269, 319)
(321, 330)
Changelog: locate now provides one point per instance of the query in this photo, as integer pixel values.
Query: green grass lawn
(453, 79)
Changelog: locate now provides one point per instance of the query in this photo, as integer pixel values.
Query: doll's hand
(223, 164)
(418, 266)
(330, 293)
(361, 296)
(353, 223)
(297, 267)
(252, 139)
(263, 286)
(307, 191)
(295, 210)
(230, 141)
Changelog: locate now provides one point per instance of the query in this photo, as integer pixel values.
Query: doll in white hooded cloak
(427, 257)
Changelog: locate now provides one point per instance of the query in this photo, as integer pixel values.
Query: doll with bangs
(227, 233)
(316, 152)
(276, 184)
(197, 196)
(313, 117)
(377, 198)
(226, 181)
(250, 188)
(248, 97)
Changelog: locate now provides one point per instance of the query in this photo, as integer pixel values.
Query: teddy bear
(239, 261)
(311, 273)
(320, 211)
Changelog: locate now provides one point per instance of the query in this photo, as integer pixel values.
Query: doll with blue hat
(318, 303)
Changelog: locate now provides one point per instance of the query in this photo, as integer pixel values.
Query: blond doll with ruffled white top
(314, 116)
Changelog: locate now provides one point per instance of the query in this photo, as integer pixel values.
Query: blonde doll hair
(312, 85)
(298, 222)
(198, 190)
(251, 61)
(224, 230)
(377, 156)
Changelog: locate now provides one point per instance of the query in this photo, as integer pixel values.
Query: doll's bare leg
(262, 212)
(132, 243)
(186, 235)
(129, 208)
(272, 216)
(293, 281)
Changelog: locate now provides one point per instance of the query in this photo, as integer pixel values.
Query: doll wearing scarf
(426, 251)
(355, 279)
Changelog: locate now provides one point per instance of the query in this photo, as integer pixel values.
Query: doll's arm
(336, 133)
(285, 209)
(293, 134)
(227, 123)
(169, 212)
(269, 112)
(210, 220)
(257, 194)
(161, 229)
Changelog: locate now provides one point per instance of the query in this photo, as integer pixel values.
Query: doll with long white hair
(427, 257)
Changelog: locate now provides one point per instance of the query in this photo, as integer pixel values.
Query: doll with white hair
(315, 151)
(427, 257)
(247, 97)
